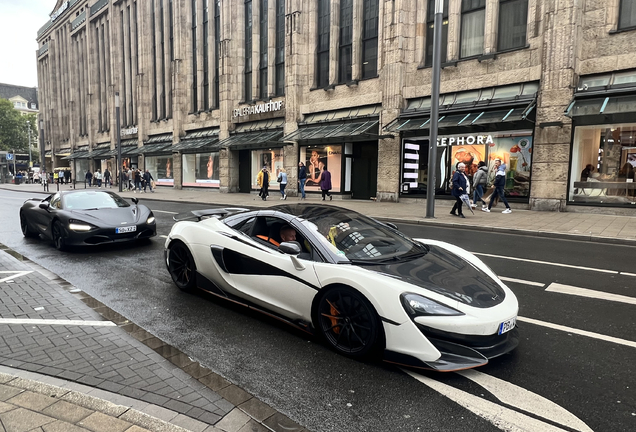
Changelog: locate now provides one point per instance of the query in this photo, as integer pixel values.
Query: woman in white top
(282, 179)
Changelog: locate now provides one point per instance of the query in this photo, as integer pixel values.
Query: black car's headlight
(417, 305)
(78, 225)
(150, 220)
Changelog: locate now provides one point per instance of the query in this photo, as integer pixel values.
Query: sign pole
(432, 142)
(118, 132)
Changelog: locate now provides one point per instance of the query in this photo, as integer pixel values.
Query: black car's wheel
(348, 322)
(181, 266)
(57, 232)
(26, 230)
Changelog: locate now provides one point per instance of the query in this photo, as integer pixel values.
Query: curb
(514, 231)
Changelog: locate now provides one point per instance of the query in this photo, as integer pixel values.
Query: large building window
(262, 66)
(627, 14)
(473, 25)
(430, 24)
(195, 104)
(280, 48)
(346, 38)
(513, 24)
(370, 39)
(322, 57)
(248, 51)
(206, 66)
(217, 49)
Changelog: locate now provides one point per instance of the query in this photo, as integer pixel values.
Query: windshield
(93, 200)
(361, 239)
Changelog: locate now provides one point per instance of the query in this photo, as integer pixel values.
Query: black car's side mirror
(392, 225)
(135, 200)
(290, 248)
(44, 205)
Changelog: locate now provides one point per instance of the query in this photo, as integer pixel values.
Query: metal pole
(14, 171)
(118, 161)
(29, 126)
(432, 146)
(42, 158)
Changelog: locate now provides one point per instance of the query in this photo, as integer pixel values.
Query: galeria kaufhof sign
(259, 108)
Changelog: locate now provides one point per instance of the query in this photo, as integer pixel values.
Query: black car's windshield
(87, 200)
(361, 239)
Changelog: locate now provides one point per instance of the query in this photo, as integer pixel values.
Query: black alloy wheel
(58, 236)
(26, 231)
(348, 322)
(181, 266)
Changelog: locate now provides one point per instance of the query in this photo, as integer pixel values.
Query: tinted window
(91, 200)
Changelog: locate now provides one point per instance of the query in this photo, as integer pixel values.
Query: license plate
(506, 326)
(128, 229)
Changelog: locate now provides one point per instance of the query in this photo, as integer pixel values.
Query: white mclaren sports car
(359, 284)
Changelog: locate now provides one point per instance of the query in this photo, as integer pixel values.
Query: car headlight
(150, 220)
(77, 225)
(417, 305)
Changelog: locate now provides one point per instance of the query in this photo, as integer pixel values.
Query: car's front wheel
(181, 266)
(57, 232)
(348, 322)
(26, 230)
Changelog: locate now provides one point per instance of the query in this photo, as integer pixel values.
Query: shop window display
(319, 158)
(272, 159)
(161, 169)
(79, 171)
(201, 169)
(603, 165)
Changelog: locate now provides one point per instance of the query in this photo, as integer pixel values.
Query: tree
(13, 128)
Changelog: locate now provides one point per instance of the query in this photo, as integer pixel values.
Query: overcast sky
(20, 21)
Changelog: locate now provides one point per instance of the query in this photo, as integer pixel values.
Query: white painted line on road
(584, 292)
(162, 211)
(163, 236)
(16, 274)
(520, 398)
(521, 281)
(504, 418)
(579, 332)
(26, 321)
(546, 263)
(628, 274)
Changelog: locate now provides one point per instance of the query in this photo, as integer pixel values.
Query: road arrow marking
(15, 274)
(584, 292)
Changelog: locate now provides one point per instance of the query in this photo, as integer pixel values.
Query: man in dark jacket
(499, 184)
(148, 179)
(107, 174)
(89, 178)
(460, 187)
(302, 178)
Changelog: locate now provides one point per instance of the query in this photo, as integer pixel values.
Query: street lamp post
(29, 128)
(118, 161)
(432, 146)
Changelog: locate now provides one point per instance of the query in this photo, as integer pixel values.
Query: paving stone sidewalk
(84, 346)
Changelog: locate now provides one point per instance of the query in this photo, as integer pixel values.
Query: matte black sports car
(86, 217)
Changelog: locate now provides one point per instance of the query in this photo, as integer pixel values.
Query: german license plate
(506, 326)
(127, 229)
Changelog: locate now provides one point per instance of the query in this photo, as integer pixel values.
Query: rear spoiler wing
(199, 215)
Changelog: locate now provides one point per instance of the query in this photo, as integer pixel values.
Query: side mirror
(290, 248)
(135, 200)
(392, 225)
(44, 205)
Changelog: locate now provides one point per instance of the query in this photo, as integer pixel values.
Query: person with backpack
(480, 179)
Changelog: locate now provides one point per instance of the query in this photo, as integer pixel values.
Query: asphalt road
(558, 378)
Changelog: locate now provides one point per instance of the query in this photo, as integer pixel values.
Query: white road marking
(163, 236)
(521, 281)
(162, 211)
(16, 274)
(525, 400)
(27, 321)
(584, 292)
(504, 418)
(546, 263)
(628, 274)
(578, 332)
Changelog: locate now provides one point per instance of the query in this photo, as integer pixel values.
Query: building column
(454, 28)
(490, 32)
(334, 37)
(271, 50)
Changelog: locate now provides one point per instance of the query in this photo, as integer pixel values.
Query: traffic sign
(9, 156)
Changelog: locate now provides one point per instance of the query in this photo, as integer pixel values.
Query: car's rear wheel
(57, 232)
(348, 322)
(181, 266)
(26, 230)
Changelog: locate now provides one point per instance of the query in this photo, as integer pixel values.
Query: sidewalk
(68, 363)
(568, 225)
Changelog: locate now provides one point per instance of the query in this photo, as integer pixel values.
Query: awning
(156, 149)
(127, 147)
(352, 131)
(199, 141)
(99, 152)
(255, 135)
(162, 138)
(79, 153)
(63, 152)
(602, 105)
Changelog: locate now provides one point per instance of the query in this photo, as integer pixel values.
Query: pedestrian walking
(107, 178)
(480, 179)
(499, 184)
(89, 178)
(98, 179)
(302, 179)
(67, 176)
(137, 177)
(325, 183)
(262, 179)
(282, 179)
(123, 178)
(60, 176)
(130, 178)
(460, 187)
(148, 181)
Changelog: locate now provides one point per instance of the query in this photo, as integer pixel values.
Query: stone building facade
(210, 91)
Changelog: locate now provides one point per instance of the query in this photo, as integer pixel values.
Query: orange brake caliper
(333, 319)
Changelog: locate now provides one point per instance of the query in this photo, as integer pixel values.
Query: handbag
(279, 179)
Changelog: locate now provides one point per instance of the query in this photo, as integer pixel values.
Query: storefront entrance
(245, 171)
(364, 173)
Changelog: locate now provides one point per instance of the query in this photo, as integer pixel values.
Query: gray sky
(20, 21)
